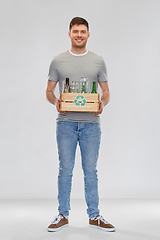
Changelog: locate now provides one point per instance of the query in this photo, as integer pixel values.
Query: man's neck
(82, 54)
(78, 50)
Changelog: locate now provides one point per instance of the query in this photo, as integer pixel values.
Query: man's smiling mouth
(79, 40)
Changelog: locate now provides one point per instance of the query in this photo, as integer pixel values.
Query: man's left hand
(101, 106)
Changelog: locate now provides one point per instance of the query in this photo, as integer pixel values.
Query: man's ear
(69, 34)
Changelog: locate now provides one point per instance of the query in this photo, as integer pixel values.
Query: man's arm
(105, 96)
(50, 92)
(50, 95)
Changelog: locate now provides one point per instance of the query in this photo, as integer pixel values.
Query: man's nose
(79, 34)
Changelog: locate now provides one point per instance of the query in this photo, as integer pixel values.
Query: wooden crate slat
(89, 107)
(90, 97)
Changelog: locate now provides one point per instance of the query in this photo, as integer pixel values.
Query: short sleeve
(53, 75)
(102, 75)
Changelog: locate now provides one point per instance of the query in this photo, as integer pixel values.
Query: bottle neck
(67, 81)
(94, 88)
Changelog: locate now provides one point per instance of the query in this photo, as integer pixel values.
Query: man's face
(79, 35)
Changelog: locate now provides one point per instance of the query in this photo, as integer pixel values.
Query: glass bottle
(67, 89)
(63, 84)
(73, 87)
(94, 88)
(84, 87)
(83, 84)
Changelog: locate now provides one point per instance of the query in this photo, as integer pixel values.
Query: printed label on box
(80, 101)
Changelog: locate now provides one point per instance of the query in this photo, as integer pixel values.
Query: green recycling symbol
(80, 100)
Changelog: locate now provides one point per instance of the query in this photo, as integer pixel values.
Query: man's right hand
(51, 97)
(58, 101)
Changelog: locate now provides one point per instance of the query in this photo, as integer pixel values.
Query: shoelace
(57, 219)
(100, 218)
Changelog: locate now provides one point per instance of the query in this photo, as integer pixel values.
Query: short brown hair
(78, 21)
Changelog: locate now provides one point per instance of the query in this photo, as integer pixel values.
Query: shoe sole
(103, 229)
(56, 229)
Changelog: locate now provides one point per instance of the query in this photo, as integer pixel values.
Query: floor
(28, 220)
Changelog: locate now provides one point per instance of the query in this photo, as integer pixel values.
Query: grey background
(126, 34)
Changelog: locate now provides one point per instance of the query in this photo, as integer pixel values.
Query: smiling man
(81, 128)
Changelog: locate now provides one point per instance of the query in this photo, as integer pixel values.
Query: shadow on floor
(75, 233)
(87, 233)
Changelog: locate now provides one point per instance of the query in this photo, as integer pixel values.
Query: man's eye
(75, 31)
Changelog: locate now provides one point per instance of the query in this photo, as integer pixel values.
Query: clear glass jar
(74, 87)
(84, 85)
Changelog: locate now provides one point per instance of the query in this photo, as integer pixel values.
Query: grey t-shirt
(72, 66)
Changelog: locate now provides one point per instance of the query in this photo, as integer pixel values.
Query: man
(78, 127)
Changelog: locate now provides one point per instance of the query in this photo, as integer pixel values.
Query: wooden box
(79, 102)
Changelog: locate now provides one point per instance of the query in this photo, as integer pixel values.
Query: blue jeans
(88, 136)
